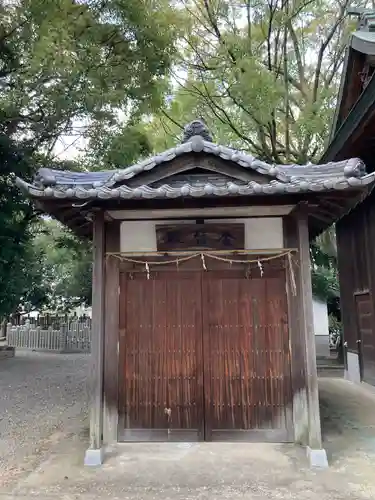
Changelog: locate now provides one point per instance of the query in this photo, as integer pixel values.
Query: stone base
(93, 458)
(322, 345)
(317, 458)
(353, 372)
(7, 352)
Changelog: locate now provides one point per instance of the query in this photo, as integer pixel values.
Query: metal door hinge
(168, 413)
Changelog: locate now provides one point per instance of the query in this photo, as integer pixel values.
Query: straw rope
(124, 257)
(203, 255)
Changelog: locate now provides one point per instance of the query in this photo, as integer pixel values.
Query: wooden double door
(204, 356)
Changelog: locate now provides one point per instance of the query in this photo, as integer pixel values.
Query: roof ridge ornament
(196, 128)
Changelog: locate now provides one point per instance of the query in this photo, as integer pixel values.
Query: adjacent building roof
(357, 88)
(196, 179)
(363, 39)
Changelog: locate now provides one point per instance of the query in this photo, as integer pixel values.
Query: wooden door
(248, 393)
(161, 393)
(365, 341)
(204, 355)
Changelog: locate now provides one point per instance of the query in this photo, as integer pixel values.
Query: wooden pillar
(94, 454)
(111, 337)
(296, 336)
(315, 436)
(306, 414)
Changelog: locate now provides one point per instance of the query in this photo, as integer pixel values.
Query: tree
(118, 146)
(66, 266)
(324, 269)
(265, 77)
(69, 66)
(15, 216)
(265, 74)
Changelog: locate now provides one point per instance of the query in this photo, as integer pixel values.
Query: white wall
(320, 311)
(262, 232)
(321, 327)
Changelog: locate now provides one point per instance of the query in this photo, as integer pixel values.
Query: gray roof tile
(280, 179)
(200, 189)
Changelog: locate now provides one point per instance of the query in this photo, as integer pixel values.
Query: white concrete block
(93, 458)
(317, 458)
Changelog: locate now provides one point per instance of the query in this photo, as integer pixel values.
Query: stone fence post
(63, 337)
(9, 334)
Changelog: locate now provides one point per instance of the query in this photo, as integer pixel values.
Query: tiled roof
(279, 179)
(363, 39)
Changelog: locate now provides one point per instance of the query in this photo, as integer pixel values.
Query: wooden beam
(204, 213)
(226, 203)
(94, 454)
(111, 338)
(319, 215)
(334, 203)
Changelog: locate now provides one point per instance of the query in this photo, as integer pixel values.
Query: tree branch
(172, 119)
(286, 84)
(300, 66)
(324, 46)
(215, 107)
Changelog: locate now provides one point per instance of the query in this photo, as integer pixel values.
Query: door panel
(366, 341)
(161, 357)
(247, 362)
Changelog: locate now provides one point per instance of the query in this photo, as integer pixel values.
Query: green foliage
(29, 283)
(76, 68)
(265, 77)
(68, 67)
(325, 282)
(263, 74)
(18, 263)
(336, 336)
(335, 326)
(66, 263)
(324, 268)
(117, 148)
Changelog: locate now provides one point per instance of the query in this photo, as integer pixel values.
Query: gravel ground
(222, 471)
(43, 425)
(42, 397)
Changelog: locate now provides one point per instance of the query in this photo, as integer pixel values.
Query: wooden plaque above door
(174, 237)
